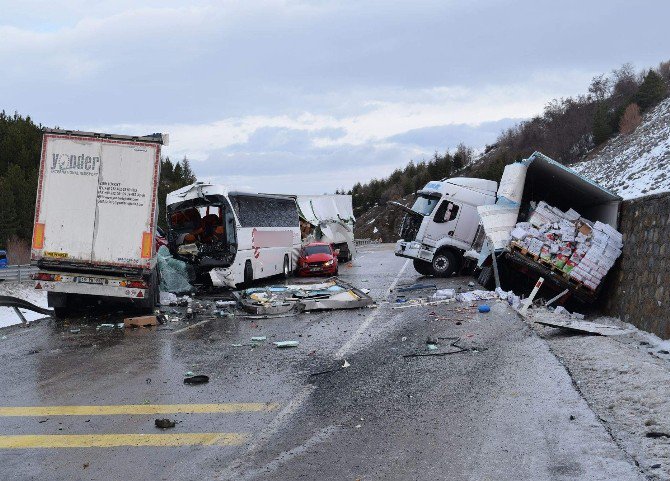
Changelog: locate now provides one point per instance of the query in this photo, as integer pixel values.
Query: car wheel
(422, 267)
(444, 264)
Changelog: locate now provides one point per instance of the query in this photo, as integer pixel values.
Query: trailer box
(95, 216)
(537, 181)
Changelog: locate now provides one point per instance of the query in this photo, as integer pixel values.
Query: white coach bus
(234, 236)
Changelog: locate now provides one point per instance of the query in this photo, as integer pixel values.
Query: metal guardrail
(17, 273)
(365, 242)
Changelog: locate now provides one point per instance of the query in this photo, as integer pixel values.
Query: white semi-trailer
(95, 217)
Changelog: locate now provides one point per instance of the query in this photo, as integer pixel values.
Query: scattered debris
(141, 321)
(174, 274)
(484, 308)
(259, 338)
(476, 295)
(164, 423)
(444, 294)
(75, 330)
(285, 344)
(416, 287)
(657, 434)
(343, 365)
(584, 327)
(277, 300)
(198, 379)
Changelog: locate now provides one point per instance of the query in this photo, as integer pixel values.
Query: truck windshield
(425, 204)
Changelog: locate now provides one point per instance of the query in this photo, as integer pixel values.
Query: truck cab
(443, 223)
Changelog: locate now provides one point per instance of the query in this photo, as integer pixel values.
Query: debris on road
(443, 294)
(277, 300)
(342, 365)
(285, 344)
(197, 379)
(165, 423)
(141, 321)
(484, 308)
(584, 327)
(476, 295)
(258, 338)
(416, 287)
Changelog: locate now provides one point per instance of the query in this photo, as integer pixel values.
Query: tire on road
(423, 267)
(444, 263)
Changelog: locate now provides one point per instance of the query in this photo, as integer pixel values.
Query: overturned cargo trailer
(525, 186)
(328, 218)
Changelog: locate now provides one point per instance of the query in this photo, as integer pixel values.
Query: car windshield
(319, 249)
(425, 204)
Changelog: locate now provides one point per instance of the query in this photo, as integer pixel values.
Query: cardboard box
(141, 321)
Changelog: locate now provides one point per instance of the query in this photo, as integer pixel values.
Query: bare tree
(600, 87)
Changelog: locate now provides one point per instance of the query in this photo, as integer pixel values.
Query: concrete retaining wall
(639, 287)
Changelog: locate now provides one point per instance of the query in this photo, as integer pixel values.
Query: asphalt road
(82, 405)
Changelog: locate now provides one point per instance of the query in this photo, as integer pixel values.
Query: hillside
(636, 164)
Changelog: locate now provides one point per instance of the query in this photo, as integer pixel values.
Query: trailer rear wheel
(59, 302)
(422, 267)
(444, 263)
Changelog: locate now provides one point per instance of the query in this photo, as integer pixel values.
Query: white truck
(95, 217)
(329, 218)
(443, 224)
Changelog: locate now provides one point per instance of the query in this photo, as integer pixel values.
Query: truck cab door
(444, 221)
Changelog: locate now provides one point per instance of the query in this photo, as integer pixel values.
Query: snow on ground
(25, 291)
(626, 382)
(638, 164)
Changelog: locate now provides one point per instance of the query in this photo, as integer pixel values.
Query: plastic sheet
(173, 272)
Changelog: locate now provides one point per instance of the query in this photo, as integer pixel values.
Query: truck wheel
(485, 277)
(153, 295)
(248, 274)
(59, 302)
(287, 268)
(422, 267)
(444, 264)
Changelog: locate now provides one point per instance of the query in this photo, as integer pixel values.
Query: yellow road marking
(112, 440)
(135, 409)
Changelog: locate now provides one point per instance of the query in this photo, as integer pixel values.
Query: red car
(317, 258)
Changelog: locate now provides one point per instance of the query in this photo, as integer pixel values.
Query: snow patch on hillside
(638, 164)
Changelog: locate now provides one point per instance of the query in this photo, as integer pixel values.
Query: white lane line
(370, 317)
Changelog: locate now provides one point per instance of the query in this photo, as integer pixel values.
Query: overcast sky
(309, 96)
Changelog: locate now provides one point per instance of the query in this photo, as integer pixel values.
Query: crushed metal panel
(585, 327)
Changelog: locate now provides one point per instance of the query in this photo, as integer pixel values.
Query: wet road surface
(82, 406)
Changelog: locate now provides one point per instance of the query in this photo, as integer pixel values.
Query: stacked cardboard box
(583, 250)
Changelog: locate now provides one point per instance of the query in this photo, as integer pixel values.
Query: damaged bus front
(235, 237)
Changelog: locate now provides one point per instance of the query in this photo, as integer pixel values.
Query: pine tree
(652, 91)
(602, 125)
(187, 176)
(8, 213)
